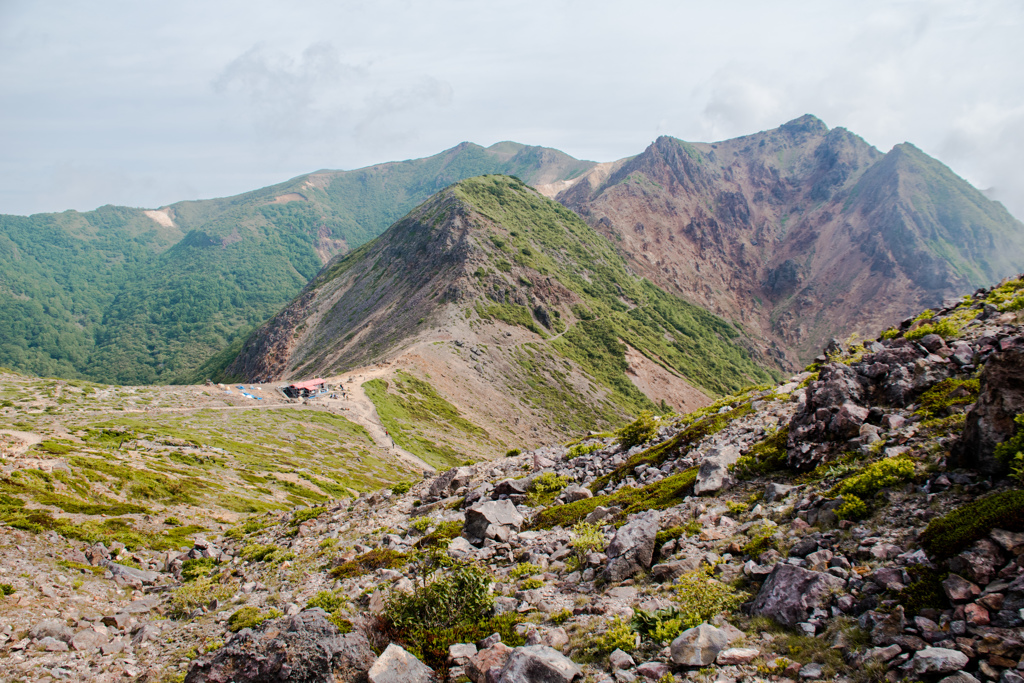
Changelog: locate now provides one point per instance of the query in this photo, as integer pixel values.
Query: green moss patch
(946, 536)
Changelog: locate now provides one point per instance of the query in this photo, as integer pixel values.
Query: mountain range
(792, 235)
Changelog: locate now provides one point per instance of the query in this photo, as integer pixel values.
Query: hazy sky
(145, 103)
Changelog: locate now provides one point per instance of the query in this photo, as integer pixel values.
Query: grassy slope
(197, 466)
(543, 239)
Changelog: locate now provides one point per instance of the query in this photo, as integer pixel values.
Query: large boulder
(632, 547)
(938, 660)
(990, 421)
(305, 647)
(492, 519)
(449, 482)
(713, 474)
(833, 411)
(493, 657)
(699, 646)
(396, 665)
(791, 593)
(539, 664)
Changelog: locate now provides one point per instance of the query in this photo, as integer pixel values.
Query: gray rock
(699, 646)
(775, 491)
(131, 573)
(395, 665)
(1012, 542)
(737, 655)
(620, 660)
(653, 671)
(538, 664)
(632, 548)
(938, 660)
(305, 647)
(88, 640)
(51, 644)
(50, 628)
(492, 519)
(791, 593)
(449, 482)
(713, 474)
(602, 513)
(576, 492)
(980, 562)
(990, 421)
(961, 677)
(810, 671)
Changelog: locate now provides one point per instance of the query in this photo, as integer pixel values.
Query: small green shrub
(762, 539)
(618, 636)
(586, 538)
(641, 430)
(530, 584)
(420, 525)
(268, 553)
(523, 569)
(196, 568)
(6, 589)
(582, 449)
(660, 627)
(401, 488)
(304, 514)
(890, 333)
(545, 488)
(454, 608)
(701, 597)
(440, 536)
(1011, 451)
(250, 617)
(327, 601)
(946, 536)
(367, 562)
(852, 508)
(924, 591)
(939, 399)
(195, 594)
(876, 476)
(172, 521)
(1008, 296)
(561, 616)
(511, 453)
(767, 455)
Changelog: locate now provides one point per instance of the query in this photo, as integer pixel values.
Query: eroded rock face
(990, 421)
(790, 594)
(305, 647)
(632, 548)
(833, 411)
(713, 474)
(449, 482)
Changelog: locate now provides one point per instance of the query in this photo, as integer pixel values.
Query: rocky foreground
(862, 522)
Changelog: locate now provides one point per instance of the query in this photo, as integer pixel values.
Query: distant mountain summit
(800, 233)
(492, 281)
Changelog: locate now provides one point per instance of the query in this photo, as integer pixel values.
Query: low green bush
(194, 594)
(523, 569)
(657, 496)
(767, 455)
(456, 607)
(250, 617)
(875, 477)
(947, 535)
(379, 558)
(618, 636)
(582, 449)
(641, 430)
(701, 597)
(6, 589)
(401, 488)
(196, 568)
(1011, 451)
(544, 488)
(441, 536)
(268, 553)
(852, 508)
(660, 627)
(947, 394)
(304, 514)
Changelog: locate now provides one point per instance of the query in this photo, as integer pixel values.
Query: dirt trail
(360, 409)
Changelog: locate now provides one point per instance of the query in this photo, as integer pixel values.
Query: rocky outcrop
(395, 665)
(991, 420)
(493, 519)
(305, 647)
(699, 646)
(538, 664)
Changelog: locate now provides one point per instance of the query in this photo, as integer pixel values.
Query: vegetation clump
(441, 535)
(195, 568)
(661, 626)
(875, 477)
(1011, 451)
(767, 455)
(618, 636)
(250, 617)
(641, 430)
(456, 607)
(942, 398)
(701, 597)
(195, 594)
(304, 514)
(946, 536)
(657, 496)
(543, 489)
(268, 553)
(379, 558)
(852, 508)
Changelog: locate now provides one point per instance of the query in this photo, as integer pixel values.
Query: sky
(145, 104)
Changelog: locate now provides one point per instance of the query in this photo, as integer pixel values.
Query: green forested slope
(111, 295)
